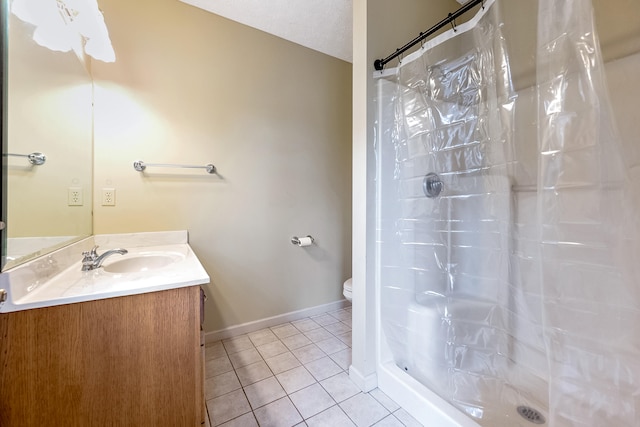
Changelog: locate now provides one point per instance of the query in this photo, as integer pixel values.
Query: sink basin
(138, 263)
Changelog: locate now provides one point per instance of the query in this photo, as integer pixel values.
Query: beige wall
(275, 118)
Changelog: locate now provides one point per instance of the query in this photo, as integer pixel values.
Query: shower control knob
(432, 185)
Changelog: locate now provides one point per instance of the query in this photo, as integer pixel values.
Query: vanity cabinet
(125, 361)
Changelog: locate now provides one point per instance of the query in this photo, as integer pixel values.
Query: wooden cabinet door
(127, 361)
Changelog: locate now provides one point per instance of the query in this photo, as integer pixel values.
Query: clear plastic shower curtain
(446, 123)
(468, 305)
(588, 215)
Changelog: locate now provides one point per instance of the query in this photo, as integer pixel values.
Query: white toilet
(346, 289)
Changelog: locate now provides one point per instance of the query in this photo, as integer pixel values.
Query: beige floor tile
(345, 338)
(305, 325)
(246, 420)
(262, 336)
(308, 353)
(319, 334)
(342, 315)
(214, 350)
(296, 341)
(263, 392)
(406, 418)
(253, 373)
(295, 379)
(332, 345)
(364, 410)
(340, 387)
(272, 349)
(285, 330)
(323, 368)
(217, 366)
(221, 384)
(236, 344)
(227, 407)
(311, 400)
(332, 417)
(280, 413)
(384, 400)
(324, 319)
(338, 328)
(282, 362)
(389, 421)
(245, 357)
(342, 358)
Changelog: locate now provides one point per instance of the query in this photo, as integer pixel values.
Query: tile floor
(294, 374)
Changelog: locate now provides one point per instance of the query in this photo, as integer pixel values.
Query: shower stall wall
(503, 292)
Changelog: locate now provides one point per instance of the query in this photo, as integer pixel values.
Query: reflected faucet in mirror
(91, 260)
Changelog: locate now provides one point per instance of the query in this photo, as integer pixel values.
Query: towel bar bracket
(35, 158)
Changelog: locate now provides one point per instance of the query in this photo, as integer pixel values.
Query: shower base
(430, 409)
(510, 406)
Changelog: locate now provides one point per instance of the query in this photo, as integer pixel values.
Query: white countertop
(57, 279)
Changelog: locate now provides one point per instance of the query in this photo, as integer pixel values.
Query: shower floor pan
(512, 407)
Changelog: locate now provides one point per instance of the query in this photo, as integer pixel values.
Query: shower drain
(531, 414)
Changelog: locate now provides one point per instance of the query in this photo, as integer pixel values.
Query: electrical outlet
(108, 197)
(74, 196)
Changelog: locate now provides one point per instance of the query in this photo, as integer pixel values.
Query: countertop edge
(12, 308)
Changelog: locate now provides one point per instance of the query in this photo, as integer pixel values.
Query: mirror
(47, 109)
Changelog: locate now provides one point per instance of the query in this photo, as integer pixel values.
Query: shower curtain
(511, 298)
(588, 229)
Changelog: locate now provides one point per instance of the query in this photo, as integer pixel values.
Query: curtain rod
(450, 19)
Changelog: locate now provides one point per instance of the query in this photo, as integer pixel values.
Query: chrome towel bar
(140, 166)
(35, 158)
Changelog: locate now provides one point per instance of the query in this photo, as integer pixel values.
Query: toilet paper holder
(302, 241)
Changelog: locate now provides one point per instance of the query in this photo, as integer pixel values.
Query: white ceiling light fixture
(64, 25)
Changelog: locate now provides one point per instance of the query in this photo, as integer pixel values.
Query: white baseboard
(256, 325)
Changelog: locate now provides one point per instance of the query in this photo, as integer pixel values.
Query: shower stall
(507, 284)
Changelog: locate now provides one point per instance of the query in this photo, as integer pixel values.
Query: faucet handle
(93, 253)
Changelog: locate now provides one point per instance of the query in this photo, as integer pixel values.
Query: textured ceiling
(322, 25)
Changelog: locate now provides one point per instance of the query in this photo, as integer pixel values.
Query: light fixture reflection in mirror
(64, 25)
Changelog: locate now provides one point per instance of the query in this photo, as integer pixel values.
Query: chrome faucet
(91, 260)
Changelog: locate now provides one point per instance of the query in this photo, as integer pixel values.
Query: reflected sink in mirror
(141, 262)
